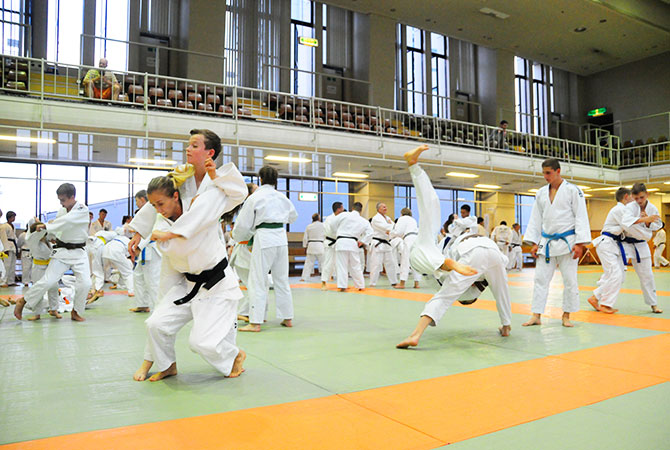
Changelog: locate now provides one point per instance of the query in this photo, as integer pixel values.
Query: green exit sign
(310, 42)
(597, 112)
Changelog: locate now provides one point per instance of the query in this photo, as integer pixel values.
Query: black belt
(381, 241)
(515, 245)
(313, 241)
(446, 241)
(630, 240)
(347, 237)
(411, 233)
(68, 245)
(331, 241)
(481, 285)
(207, 278)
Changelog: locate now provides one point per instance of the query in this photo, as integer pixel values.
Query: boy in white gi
(263, 217)
(147, 271)
(204, 289)
(95, 247)
(8, 238)
(70, 229)
(559, 229)
(407, 230)
(26, 257)
(637, 234)
(312, 239)
(329, 244)
(116, 254)
(352, 232)
(659, 247)
(471, 257)
(502, 235)
(41, 250)
(515, 252)
(380, 249)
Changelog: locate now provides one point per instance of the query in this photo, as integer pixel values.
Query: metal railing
(443, 103)
(50, 80)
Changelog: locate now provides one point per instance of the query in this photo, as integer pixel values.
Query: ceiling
(617, 31)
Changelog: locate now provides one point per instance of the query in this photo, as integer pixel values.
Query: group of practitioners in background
(179, 263)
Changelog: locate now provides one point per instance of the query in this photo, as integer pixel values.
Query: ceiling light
(583, 188)
(588, 195)
(667, 182)
(28, 139)
(606, 188)
(653, 190)
(350, 175)
(287, 159)
(580, 29)
(494, 13)
(153, 161)
(534, 190)
(487, 186)
(629, 186)
(462, 175)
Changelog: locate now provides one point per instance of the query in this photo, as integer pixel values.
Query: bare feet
(130, 294)
(169, 372)
(252, 327)
(302, 280)
(399, 285)
(237, 365)
(55, 313)
(11, 300)
(18, 309)
(113, 286)
(411, 341)
(536, 319)
(505, 330)
(142, 372)
(566, 320)
(416, 285)
(450, 264)
(343, 289)
(323, 286)
(140, 309)
(656, 310)
(34, 318)
(4, 302)
(608, 309)
(241, 317)
(412, 156)
(287, 323)
(593, 301)
(74, 315)
(96, 295)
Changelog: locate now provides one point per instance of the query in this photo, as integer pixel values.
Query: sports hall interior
(332, 94)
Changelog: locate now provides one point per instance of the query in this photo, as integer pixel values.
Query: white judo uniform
(407, 229)
(515, 255)
(146, 274)
(263, 217)
(381, 252)
(115, 254)
(8, 238)
(26, 258)
(659, 247)
(312, 239)
(350, 229)
(200, 255)
(556, 228)
(330, 234)
(95, 245)
(502, 236)
(41, 251)
(638, 252)
(70, 229)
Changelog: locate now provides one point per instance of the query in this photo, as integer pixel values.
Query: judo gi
(312, 239)
(350, 228)
(381, 253)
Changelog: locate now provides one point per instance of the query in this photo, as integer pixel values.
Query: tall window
(14, 28)
(65, 24)
(416, 66)
(18, 191)
(534, 96)
(111, 21)
(524, 206)
(440, 75)
(302, 56)
(324, 35)
(522, 97)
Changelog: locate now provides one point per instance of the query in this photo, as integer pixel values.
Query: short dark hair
(142, 194)
(466, 207)
(103, 210)
(551, 163)
(480, 220)
(34, 225)
(10, 214)
(212, 140)
(515, 225)
(125, 219)
(66, 189)
(502, 222)
(406, 212)
(268, 175)
(336, 206)
(638, 188)
(621, 193)
(358, 206)
(503, 122)
(315, 217)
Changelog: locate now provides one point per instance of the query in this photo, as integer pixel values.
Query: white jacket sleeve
(582, 226)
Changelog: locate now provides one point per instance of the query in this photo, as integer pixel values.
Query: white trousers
(349, 262)
(308, 269)
(10, 267)
(214, 332)
(646, 276)
(26, 268)
(406, 247)
(384, 257)
(328, 268)
(97, 267)
(146, 278)
(264, 260)
(125, 268)
(57, 267)
(504, 248)
(53, 297)
(544, 272)
(489, 263)
(614, 272)
(515, 258)
(659, 260)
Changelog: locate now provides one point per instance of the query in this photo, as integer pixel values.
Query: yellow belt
(102, 239)
(41, 262)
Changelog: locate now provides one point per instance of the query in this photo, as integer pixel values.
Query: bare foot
(287, 323)
(55, 313)
(34, 318)
(608, 309)
(505, 330)
(412, 156)
(400, 285)
(416, 285)
(113, 286)
(142, 372)
(255, 328)
(409, 342)
(18, 309)
(131, 295)
(302, 279)
(140, 309)
(323, 286)
(536, 319)
(74, 315)
(450, 264)
(169, 372)
(96, 295)
(343, 289)
(593, 301)
(11, 300)
(656, 310)
(4, 302)
(237, 365)
(566, 320)
(241, 317)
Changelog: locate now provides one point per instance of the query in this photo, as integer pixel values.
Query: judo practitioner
(502, 235)
(116, 254)
(352, 232)
(95, 247)
(471, 222)
(70, 230)
(40, 248)
(381, 253)
(312, 239)
(659, 247)
(8, 238)
(330, 234)
(515, 252)
(146, 276)
(481, 230)
(471, 257)
(263, 217)
(204, 289)
(407, 229)
(559, 229)
(100, 223)
(26, 257)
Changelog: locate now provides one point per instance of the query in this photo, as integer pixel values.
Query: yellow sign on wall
(310, 42)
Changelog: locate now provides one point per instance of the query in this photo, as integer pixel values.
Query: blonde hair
(181, 173)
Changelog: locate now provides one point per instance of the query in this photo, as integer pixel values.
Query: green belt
(270, 225)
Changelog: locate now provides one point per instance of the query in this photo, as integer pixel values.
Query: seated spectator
(101, 85)
(498, 137)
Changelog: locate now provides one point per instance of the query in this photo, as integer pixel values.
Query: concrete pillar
(382, 60)
(369, 194)
(505, 87)
(206, 34)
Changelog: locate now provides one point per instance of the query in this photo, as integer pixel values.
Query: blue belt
(630, 240)
(619, 239)
(555, 237)
(446, 241)
(144, 252)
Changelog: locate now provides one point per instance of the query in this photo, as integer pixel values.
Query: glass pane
(519, 66)
(537, 72)
(142, 177)
(414, 38)
(65, 25)
(108, 188)
(53, 175)
(305, 208)
(437, 43)
(112, 22)
(18, 193)
(334, 192)
(301, 10)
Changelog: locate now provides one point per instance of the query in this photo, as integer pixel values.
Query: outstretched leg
(413, 339)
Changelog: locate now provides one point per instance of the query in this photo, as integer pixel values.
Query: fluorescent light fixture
(152, 161)
(287, 159)
(462, 175)
(653, 190)
(308, 197)
(583, 188)
(350, 175)
(667, 182)
(534, 190)
(487, 186)
(629, 186)
(606, 188)
(28, 139)
(588, 195)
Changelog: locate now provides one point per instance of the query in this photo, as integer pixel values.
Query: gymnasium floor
(335, 381)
